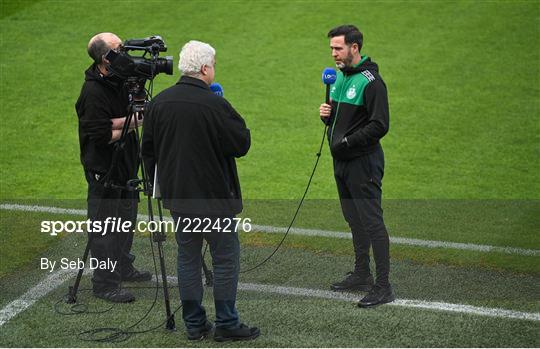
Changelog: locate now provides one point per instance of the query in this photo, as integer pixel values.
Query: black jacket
(102, 99)
(359, 111)
(194, 136)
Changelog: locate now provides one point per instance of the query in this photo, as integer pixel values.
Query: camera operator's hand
(117, 124)
(324, 111)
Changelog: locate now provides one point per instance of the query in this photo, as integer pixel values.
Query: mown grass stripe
(313, 232)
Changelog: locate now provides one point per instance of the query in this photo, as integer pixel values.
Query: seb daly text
(78, 263)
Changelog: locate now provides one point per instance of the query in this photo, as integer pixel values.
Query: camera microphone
(329, 76)
(217, 89)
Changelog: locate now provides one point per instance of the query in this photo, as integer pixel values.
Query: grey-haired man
(194, 136)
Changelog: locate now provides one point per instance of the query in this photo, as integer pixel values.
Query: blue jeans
(225, 251)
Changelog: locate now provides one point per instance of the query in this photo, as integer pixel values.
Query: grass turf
(297, 321)
(301, 260)
(463, 82)
(285, 322)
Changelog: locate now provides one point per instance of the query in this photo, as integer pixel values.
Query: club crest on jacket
(351, 92)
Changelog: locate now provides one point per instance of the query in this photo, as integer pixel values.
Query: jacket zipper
(337, 111)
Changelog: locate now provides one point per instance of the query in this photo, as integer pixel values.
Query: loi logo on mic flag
(329, 76)
(217, 89)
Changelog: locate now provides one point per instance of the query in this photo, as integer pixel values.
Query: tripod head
(137, 94)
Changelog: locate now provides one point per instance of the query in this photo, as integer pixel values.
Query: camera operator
(194, 137)
(101, 110)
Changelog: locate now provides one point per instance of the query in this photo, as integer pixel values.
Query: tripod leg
(72, 295)
(208, 275)
(170, 317)
(159, 238)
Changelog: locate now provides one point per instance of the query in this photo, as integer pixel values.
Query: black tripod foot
(171, 326)
(71, 297)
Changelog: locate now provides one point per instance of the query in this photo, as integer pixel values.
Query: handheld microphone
(217, 89)
(329, 76)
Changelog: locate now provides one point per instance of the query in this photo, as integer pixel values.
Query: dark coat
(101, 99)
(194, 137)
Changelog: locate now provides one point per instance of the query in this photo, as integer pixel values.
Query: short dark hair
(351, 33)
(97, 49)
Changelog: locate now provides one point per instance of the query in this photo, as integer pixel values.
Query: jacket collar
(188, 80)
(357, 68)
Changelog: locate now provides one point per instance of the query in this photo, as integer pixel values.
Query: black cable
(297, 209)
(82, 308)
(119, 335)
(74, 309)
(78, 308)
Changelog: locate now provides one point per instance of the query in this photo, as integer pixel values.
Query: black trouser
(114, 246)
(359, 184)
(225, 251)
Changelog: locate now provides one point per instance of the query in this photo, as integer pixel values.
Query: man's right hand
(324, 111)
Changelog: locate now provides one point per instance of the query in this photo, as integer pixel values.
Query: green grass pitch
(462, 163)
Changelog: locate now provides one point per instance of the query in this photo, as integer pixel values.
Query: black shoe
(116, 296)
(137, 276)
(198, 334)
(353, 282)
(378, 295)
(242, 333)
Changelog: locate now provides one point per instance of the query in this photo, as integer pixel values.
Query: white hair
(194, 55)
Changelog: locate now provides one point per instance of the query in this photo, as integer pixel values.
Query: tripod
(137, 101)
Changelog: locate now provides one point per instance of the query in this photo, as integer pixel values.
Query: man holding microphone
(358, 118)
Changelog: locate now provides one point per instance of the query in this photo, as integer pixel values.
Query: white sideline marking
(57, 278)
(404, 241)
(313, 232)
(33, 295)
(408, 303)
